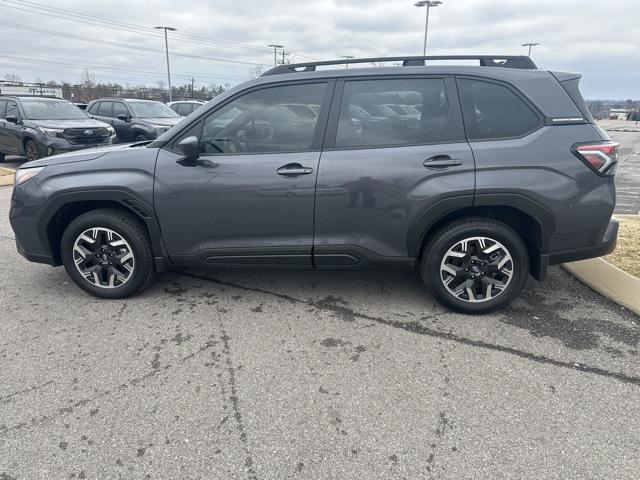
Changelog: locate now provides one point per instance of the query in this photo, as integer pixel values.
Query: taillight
(601, 157)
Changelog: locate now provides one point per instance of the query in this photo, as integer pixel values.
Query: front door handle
(442, 161)
(294, 170)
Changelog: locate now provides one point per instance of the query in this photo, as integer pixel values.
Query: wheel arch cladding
(530, 229)
(63, 209)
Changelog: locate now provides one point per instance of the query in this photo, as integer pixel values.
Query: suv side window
(392, 112)
(119, 109)
(105, 109)
(12, 109)
(183, 109)
(258, 122)
(3, 108)
(493, 111)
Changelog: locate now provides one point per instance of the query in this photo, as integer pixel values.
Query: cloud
(599, 40)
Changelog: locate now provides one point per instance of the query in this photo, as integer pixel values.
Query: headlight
(161, 127)
(111, 130)
(52, 132)
(25, 174)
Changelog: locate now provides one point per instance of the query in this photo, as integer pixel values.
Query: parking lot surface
(238, 374)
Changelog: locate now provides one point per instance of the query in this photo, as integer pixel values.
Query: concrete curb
(608, 280)
(6, 180)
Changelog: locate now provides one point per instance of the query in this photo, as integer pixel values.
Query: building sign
(31, 90)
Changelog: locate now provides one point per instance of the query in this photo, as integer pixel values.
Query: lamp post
(275, 52)
(347, 57)
(166, 49)
(428, 4)
(530, 45)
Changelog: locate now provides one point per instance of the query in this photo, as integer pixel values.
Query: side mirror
(124, 117)
(190, 148)
(12, 119)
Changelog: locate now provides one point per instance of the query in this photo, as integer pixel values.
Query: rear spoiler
(570, 83)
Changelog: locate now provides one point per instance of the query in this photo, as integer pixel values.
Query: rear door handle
(294, 170)
(442, 161)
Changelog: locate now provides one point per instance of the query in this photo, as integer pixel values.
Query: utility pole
(275, 52)
(166, 49)
(192, 82)
(530, 45)
(283, 57)
(428, 4)
(347, 57)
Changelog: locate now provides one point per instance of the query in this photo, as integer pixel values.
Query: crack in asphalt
(233, 398)
(418, 328)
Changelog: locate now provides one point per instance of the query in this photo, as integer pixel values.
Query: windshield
(48, 110)
(151, 110)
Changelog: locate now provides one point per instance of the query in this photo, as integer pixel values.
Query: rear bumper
(604, 247)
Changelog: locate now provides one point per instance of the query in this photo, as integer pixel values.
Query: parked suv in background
(36, 127)
(503, 174)
(185, 107)
(134, 120)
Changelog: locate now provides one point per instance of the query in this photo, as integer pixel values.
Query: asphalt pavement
(277, 374)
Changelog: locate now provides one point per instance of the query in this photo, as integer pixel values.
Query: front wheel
(475, 265)
(31, 150)
(107, 253)
(140, 137)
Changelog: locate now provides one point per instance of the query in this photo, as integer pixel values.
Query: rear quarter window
(494, 111)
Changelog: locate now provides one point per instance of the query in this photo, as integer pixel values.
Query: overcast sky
(599, 39)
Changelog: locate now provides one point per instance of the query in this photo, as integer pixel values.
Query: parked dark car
(185, 107)
(37, 127)
(134, 120)
(503, 174)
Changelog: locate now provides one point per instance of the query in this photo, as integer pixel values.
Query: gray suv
(134, 120)
(36, 127)
(501, 173)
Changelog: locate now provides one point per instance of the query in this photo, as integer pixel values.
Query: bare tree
(256, 71)
(88, 79)
(13, 78)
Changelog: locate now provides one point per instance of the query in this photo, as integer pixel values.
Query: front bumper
(605, 246)
(54, 146)
(26, 204)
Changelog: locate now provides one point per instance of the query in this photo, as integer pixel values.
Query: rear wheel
(107, 253)
(140, 137)
(475, 265)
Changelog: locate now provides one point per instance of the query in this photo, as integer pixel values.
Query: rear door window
(494, 111)
(12, 109)
(3, 108)
(377, 113)
(119, 109)
(105, 109)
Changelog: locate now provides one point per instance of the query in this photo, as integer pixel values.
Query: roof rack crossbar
(505, 61)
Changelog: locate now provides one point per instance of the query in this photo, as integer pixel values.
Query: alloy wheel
(476, 269)
(103, 257)
(31, 151)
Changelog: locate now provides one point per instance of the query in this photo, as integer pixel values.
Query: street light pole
(530, 45)
(428, 4)
(166, 49)
(348, 57)
(275, 52)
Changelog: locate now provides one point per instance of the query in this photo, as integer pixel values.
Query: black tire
(31, 150)
(1, 157)
(140, 137)
(454, 233)
(127, 227)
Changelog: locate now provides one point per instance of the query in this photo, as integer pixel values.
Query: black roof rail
(505, 61)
